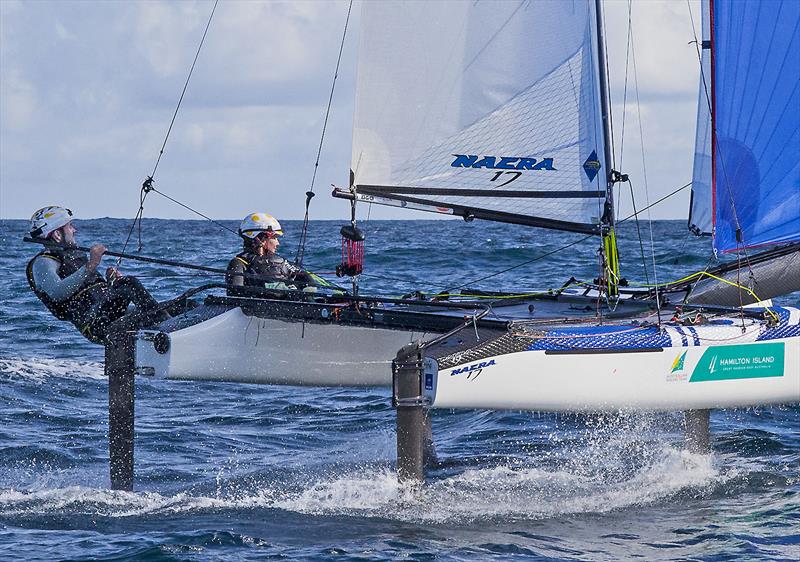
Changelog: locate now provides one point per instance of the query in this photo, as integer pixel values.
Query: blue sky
(87, 91)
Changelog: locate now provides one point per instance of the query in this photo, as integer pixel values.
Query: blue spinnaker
(756, 49)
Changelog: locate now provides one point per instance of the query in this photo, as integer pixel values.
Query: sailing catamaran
(499, 111)
(746, 194)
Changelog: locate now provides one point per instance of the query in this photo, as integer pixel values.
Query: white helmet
(255, 223)
(46, 220)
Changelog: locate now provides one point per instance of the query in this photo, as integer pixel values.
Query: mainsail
(755, 132)
(482, 109)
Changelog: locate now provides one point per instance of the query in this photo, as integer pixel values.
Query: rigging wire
(537, 258)
(198, 213)
(740, 248)
(147, 186)
(628, 46)
(301, 248)
(697, 45)
(698, 49)
(644, 172)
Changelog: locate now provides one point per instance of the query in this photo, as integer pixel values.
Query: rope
(644, 171)
(301, 248)
(198, 213)
(639, 235)
(485, 277)
(741, 250)
(147, 186)
(713, 132)
(667, 196)
(699, 57)
(628, 48)
(567, 245)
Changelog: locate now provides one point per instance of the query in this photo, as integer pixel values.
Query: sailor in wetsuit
(66, 280)
(259, 258)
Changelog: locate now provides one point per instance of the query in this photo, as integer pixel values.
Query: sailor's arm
(45, 274)
(298, 274)
(290, 270)
(234, 275)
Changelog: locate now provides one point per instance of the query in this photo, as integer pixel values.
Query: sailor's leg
(130, 289)
(123, 292)
(698, 437)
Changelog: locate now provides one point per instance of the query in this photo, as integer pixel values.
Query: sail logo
(677, 365)
(501, 162)
(474, 370)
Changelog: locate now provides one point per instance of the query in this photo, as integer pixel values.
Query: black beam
(391, 191)
(412, 421)
(119, 369)
(698, 436)
(470, 213)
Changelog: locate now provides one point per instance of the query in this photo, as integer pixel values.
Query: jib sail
(482, 109)
(700, 209)
(756, 123)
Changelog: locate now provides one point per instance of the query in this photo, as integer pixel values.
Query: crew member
(259, 260)
(66, 280)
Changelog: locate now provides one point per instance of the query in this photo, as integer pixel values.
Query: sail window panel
(756, 98)
(482, 96)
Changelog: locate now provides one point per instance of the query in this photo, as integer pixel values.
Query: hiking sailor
(259, 257)
(66, 280)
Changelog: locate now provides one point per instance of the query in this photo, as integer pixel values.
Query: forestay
(482, 109)
(756, 96)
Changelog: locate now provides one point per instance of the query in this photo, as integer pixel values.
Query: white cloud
(63, 33)
(160, 27)
(18, 103)
(666, 60)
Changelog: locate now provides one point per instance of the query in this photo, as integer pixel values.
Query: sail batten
(484, 106)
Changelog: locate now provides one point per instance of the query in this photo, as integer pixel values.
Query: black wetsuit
(96, 303)
(261, 271)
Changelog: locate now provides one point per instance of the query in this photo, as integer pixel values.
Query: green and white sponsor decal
(750, 361)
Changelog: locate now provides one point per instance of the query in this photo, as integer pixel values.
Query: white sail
(489, 109)
(700, 210)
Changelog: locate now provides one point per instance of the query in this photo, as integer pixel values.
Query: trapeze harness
(78, 307)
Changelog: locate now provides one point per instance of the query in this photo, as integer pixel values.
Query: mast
(609, 247)
(713, 120)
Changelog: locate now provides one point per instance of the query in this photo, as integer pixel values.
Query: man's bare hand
(112, 274)
(95, 255)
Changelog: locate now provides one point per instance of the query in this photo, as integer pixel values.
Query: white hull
(239, 348)
(747, 374)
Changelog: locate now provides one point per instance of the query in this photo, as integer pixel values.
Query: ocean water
(245, 472)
